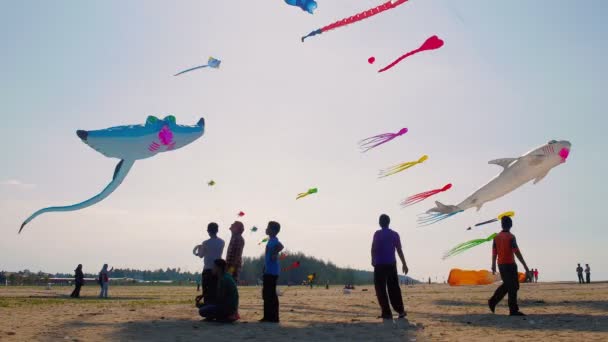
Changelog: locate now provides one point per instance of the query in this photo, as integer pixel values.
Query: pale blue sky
(283, 116)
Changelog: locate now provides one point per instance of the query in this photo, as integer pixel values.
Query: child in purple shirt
(386, 242)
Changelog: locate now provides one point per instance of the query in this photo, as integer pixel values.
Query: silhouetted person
(536, 275)
(210, 250)
(271, 274)
(78, 281)
(225, 307)
(504, 248)
(104, 280)
(234, 254)
(386, 242)
(588, 273)
(579, 272)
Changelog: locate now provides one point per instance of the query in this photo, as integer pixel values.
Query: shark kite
(534, 165)
(131, 143)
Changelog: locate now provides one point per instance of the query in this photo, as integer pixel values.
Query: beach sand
(557, 312)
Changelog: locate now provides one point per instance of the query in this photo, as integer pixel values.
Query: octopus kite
(431, 43)
(424, 195)
(377, 140)
(131, 143)
(240, 214)
(508, 213)
(400, 167)
(306, 5)
(357, 17)
(263, 241)
(211, 183)
(467, 245)
(212, 63)
(294, 265)
(254, 229)
(309, 192)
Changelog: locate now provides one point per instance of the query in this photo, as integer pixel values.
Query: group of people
(103, 280)
(532, 276)
(579, 272)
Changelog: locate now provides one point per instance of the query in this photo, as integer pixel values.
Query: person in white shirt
(210, 250)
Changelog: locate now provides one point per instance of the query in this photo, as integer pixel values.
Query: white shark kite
(130, 143)
(534, 165)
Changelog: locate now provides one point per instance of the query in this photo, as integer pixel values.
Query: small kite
(240, 214)
(211, 183)
(254, 229)
(377, 140)
(431, 43)
(306, 5)
(212, 63)
(424, 195)
(467, 245)
(129, 144)
(294, 265)
(283, 256)
(263, 241)
(400, 167)
(357, 17)
(508, 213)
(309, 192)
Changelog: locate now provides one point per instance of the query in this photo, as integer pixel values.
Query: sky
(283, 116)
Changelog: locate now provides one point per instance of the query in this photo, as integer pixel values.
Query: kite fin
(443, 209)
(504, 162)
(121, 171)
(539, 178)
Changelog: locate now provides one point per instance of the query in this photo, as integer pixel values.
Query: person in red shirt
(504, 248)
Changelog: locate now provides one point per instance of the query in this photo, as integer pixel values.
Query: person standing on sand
(234, 255)
(271, 274)
(210, 250)
(579, 272)
(588, 273)
(78, 281)
(104, 280)
(503, 249)
(536, 275)
(386, 242)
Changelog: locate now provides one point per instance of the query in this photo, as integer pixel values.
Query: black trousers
(271, 299)
(588, 278)
(580, 278)
(209, 283)
(510, 286)
(76, 292)
(385, 276)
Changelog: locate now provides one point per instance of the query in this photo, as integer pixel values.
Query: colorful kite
(431, 43)
(306, 5)
(309, 192)
(212, 63)
(240, 214)
(400, 167)
(254, 229)
(130, 143)
(424, 195)
(508, 213)
(211, 183)
(294, 265)
(357, 17)
(534, 165)
(467, 245)
(263, 241)
(460, 277)
(377, 140)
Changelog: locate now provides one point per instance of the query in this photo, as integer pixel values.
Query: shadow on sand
(600, 305)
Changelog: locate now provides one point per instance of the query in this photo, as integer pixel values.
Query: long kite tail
(423, 195)
(121, 171)
(359, 16)
(185, 71)
(467, 245)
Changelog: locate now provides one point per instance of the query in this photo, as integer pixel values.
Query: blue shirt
(271, 266)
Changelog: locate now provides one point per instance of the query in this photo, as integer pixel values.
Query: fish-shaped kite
(131, 143)
(309, 192)
(467, 245)
(377, 140)
(424, 195)
(400, 167)
(306, 5)
(508, 213)
(212, 63)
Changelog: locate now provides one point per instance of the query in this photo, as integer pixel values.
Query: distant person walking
(104, 280)
(271, 274)
(234, 255)
(386, 242)
(78, 281)
(579, 273)
(504, 248)
(536, 275)
(588, 273)
(210, 250)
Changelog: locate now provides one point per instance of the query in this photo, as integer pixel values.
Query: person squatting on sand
(224, 307)
(78, 281)
(104, 280)
(210, 250)
(386, 242)
(271, 274)
(234, 254)
(503, 249)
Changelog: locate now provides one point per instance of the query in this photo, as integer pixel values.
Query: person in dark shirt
(504, 248)
(78, 281)
(225, 307)
(579, 272)
(588, 273)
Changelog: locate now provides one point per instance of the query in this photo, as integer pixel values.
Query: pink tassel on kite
(432, 43)
(377, 140)
(424, 195)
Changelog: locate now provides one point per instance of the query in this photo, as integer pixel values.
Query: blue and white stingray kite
(130, 143)
(212, 63)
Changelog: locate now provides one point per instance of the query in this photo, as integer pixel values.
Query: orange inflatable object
(460, 277)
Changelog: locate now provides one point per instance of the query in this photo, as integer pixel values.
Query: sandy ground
(557, 312)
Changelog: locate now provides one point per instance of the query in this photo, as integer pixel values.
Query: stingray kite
(424, 195)
(306, 5)
(467, 245)
(508, 213)
(534, 165)
(400, 167)
(212, 63)
(131, 143)
(357, 17)
(431, 43)
(377, 140)
(309, 192)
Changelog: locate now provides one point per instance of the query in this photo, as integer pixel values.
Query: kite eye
(552, 142)
(170, 119)
(151, 120)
